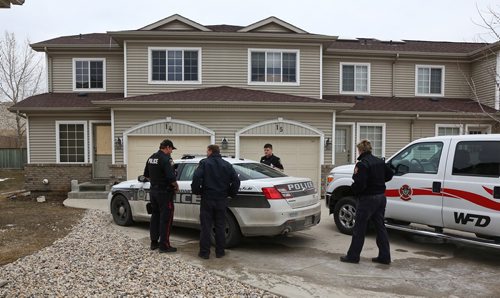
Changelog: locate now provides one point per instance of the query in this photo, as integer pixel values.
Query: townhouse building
(114, 96)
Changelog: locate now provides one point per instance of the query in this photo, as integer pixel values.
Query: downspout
(394, 74)
(47, 61)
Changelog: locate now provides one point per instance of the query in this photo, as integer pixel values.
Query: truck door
(471, 191)
(414, 193)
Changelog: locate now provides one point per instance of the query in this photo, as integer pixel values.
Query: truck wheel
(232, 231)
(344, 214)
(120, 209)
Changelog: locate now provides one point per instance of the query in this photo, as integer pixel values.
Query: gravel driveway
(94, 259)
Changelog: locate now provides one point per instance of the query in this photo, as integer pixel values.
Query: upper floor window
(172, 65)
(355, 78)
(429, 80)
(273, 67)
(89, 74)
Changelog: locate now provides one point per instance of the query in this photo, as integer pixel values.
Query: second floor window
(355, 78)
(429, 80)
(273, 66)
(175, 65)
(89, 74)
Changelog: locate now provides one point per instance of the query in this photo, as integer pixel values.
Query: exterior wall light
(224, 143)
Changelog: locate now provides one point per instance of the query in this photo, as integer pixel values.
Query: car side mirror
(142, 178)
(402, 169)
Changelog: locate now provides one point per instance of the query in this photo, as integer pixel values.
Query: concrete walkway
(98, 204)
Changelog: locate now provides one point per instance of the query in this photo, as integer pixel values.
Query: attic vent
(82, 94)
(434, 99)
(359, 97)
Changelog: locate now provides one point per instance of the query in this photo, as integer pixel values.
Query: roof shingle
(64, 100)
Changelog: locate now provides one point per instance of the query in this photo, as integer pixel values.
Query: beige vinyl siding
(62, 71)
(273, 28)
(222, 64)
(225, 124)
(380, 75)
(483, 78)
(43, 133)
(455, 84)
(176, 26)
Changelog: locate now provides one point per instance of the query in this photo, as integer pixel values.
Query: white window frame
(103, 74)
(167, 82)
(368, 65)
(438, 126)
(443, 76)
(281, 51)
(358, 133)
(85, 142)
(468, 127)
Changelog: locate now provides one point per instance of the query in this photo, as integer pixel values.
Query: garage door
(299, 155)
(141, 147)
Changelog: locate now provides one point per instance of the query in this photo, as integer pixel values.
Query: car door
(186, 201)
(414, 193)
(472, 187)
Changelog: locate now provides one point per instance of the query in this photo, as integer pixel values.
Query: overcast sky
(448, 20)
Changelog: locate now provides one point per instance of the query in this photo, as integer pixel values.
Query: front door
(343, 154)
(101, 151)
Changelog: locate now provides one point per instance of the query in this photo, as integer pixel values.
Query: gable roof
(272, 20)
(175, 18)
(410, 104)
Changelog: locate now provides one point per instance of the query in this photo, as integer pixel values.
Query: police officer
(370, 175)
(215, 180)
(270, 159)
(160, 171)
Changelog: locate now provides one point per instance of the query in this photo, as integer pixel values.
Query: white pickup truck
(446, 182)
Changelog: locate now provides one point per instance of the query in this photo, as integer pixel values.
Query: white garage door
(141, 147)
(299, 155)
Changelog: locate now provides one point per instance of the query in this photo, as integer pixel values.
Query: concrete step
(88, 195)
(87, 186)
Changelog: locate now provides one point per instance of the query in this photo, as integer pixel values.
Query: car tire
(344, 214)
(120, 209)
(232, 232)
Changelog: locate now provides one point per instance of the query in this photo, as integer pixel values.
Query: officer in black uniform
(270, 159)
(160, 171)
(370, 175)
(215, 180)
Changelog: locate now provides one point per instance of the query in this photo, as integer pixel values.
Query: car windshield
(248, 171)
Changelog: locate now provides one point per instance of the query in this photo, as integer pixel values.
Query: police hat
(167, 143)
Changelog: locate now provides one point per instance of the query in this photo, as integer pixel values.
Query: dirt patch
(27, 226)
(11, 180)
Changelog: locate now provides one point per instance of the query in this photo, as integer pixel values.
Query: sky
(437, 20)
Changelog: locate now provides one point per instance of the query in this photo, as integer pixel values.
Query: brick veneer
(117, 173)
(325, 170)
(59, 177)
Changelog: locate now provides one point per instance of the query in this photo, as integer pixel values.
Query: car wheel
(232, 231)
(120, 209)
(344, 214)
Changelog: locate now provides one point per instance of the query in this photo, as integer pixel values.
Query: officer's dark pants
(370, 207)
(212, 213)
(162, 207)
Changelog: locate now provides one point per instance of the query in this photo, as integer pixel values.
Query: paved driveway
(305, 264)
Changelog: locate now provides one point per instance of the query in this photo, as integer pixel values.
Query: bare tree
(20, 75)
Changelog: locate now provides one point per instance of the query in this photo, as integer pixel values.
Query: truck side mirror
(402, 169)
(142, 178)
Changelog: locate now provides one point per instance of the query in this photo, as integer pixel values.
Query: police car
(445, 182)
(268, 203)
